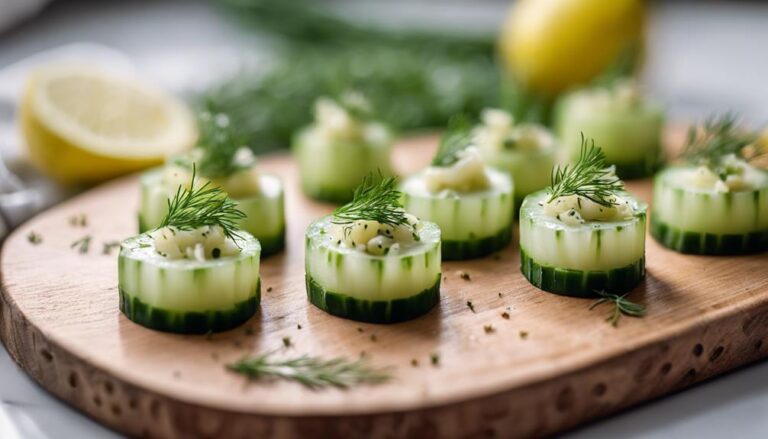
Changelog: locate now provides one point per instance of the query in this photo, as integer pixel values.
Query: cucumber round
(530, 170)
(378, 289)
(630, 136)
(188, 296)
(331, 170)
(580, 260)
(265, 213)
(702, 221)
(472, 224)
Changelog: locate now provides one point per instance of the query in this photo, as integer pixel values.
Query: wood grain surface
(552, 365)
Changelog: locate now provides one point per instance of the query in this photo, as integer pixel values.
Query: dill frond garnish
(621, 306)
(457, 137)
(590, 177)
(376, 199)
(204, 206)
(313, 372)
(716, 138)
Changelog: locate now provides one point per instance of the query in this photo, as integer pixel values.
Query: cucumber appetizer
(626, 125)
(716, 201)
(220, 158)
(584, 234)
(196, 272)
(371, 261)
(472, 203)
(340, 148)
(527, 152)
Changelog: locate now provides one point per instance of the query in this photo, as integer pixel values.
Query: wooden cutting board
(552, 365)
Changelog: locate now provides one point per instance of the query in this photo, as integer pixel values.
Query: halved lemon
(84, 125)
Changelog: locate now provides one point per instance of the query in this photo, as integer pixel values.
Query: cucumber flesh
(472, 224)
(530, 170)
(188, 296)
(265, 214)
(403, 284)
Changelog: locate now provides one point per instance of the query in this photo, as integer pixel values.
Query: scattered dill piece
(457, 137)
(374, 338)
(464, 275)
(204, 206)
(716, 138)
(434, 358)
(79, 220)
(376, 199)
(269, 289)
(107, 247)
(82, 245)
(489, 329)
(34, 238)
(313, 372)
(298, 326)
(621, 306)
(359, 329)
(590, 177)
(414, 362)
(470, 305)
(505, 315)
(523, 334)
(287, 342)
(499, 294)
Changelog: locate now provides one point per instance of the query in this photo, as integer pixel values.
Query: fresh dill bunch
(376, 199)
(621, 306)
(313, 372)
(590, 177)
(204, 206)
(217, 148)
(716, 138)
(457, 137)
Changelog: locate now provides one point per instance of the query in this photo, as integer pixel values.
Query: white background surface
(704, 57)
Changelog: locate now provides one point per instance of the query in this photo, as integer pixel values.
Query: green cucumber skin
(373, 311)
(577, 283)
(530, 171)
(632, 171)
(188, 322)
(327, 194)
(697, 243)
(462, 250)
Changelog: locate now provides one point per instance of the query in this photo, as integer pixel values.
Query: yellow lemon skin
(551, 45)
(65, 162)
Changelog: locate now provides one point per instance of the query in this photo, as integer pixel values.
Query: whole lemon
(551, 45)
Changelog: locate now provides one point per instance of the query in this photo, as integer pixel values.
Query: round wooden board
(551, 365)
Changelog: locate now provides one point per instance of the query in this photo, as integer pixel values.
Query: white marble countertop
(703, 57)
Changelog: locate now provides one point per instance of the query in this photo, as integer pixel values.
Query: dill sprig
(204, 206)
(218, 146)
(313, 372)
(457, 137)
(376, 199)
(82, 245)
(590, 177)
(716, 138)
(621, 306)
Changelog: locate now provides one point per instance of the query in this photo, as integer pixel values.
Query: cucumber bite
(625, 124)
(716, 201)
(526, 152)
(371, 261)
(221, 160)
(195, 273)
(584, 234)
(472, 203)
(340, 148)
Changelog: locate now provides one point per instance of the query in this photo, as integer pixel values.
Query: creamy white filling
(498, 131)
(576, 209)
(375, 238)
(740, 176)
(241, 184)
(466, 175)
(200, 244)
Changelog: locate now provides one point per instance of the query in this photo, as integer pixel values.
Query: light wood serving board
(59, 319)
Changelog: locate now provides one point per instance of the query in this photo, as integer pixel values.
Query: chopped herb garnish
(489, 329)
(457, 137)
(414, 362)
(287, 342)
(470, 305)
(204, 206)
(79, 220)
(523, 334)
(621, 306)
(269, 289)
(298, 326)
(590, 178)
(82, 244)
(108, 246)
(464, 275)
(505, 315)
(376, 199)
(219, 145)
(373, 337)
(716, 138)
(34, 238)
(313, 372)
(434, 358)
